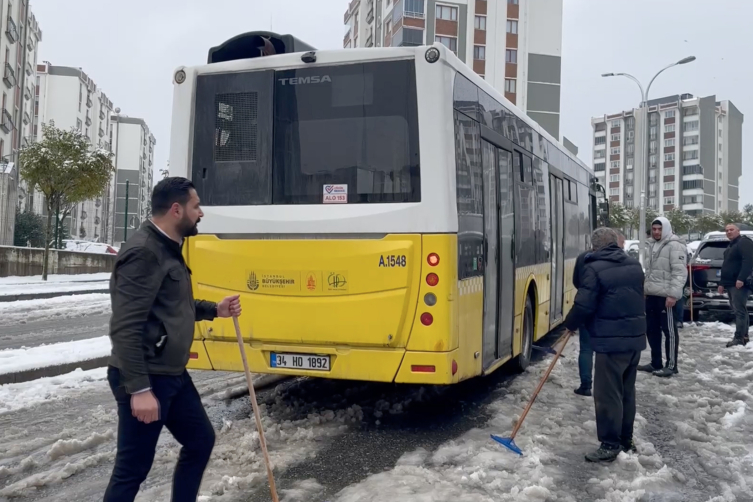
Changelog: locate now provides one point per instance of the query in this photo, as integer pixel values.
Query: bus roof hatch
(256, 44)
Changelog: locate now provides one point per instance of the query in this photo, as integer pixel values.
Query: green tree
(728, 217)
(748, 214)
(681, 221)
(66, 170)
(635, 219)
(619, 215)
(708, 222)
(29, 230)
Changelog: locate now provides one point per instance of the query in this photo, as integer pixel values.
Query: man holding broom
(152, 327)
(610, 303)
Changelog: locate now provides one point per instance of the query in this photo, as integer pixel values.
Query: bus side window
(528, 169)
(518, 165)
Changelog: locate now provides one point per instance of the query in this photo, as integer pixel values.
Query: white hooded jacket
(666, 268)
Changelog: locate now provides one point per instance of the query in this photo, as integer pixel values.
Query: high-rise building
(68, 98)
(134, 162)
(694, 154)
(19, 42)
(515, 45)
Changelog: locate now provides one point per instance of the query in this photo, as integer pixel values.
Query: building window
(614, 177)
(614, 164)
(690, 155)
(629, 164)
(720, 133)
(447, 13)
(479, 52)
(512, 26)
(630, 122)
(388, 27)
(652, 147)
(669, 186)
(480, 23)
(600, 140)
(614, 191)
(690, 140)
(669, 171)
(691, 126)
(669, 142)
(615, 124)
(598, 154)
(79, 124)
(668, 157)
(449, 42)
(629, 190)
(652, 132)
(669, 128)
(614, 151)
(511, 56)
(630, 135)
(630, 149)
(690, 111)
(668, 201)
(615, 137)
(514, 2)
(510, 86)
(652, 160)
(629, 176)
(720, 147)
(669, 114)
(601, 166)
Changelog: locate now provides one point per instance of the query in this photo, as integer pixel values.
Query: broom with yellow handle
(257, 414)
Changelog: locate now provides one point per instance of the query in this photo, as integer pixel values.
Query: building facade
(20, 36)
(134, 163)
(515, 45)
(68, 98)
(694, 154)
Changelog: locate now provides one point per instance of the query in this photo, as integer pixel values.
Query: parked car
(81, 246)
(706, 267)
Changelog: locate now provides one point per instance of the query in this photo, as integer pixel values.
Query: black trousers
(738, 301)
(661, 319)
(614, 397)
(182, 412)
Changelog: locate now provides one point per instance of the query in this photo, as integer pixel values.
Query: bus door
(557, 219)
(499, 271)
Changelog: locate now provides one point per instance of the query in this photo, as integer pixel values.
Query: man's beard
(188, 228)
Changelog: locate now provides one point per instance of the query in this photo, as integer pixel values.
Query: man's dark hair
(168, 192)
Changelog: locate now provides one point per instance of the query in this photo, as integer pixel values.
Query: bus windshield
(334, 134)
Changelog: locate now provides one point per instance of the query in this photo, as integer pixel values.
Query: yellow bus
(384, 213)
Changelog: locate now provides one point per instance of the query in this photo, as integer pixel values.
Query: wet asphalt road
(35, 333)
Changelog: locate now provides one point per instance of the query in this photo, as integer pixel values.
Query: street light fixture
(641, 166)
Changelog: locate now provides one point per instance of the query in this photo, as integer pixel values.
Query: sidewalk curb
(45, 296)
(52, 371)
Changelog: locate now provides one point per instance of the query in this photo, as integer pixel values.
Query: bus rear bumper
(346, 363)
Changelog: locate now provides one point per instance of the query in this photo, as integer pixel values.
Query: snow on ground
(53, 278)
(693, 434)
(16, 360)
(61, 307)
(24, 395)
(20, 285)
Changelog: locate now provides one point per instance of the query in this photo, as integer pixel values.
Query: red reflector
(433, 259)
(454, 367)
(422, 369)
(432, 279)
(194, 355)
(427, 319)
(700, 267)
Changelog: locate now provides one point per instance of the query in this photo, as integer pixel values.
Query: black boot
(605, 453)
(665, 372)
(648, 368)
(629, 447)
(737, 341)
(583, 391)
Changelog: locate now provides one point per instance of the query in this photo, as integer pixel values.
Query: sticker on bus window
(335, 194)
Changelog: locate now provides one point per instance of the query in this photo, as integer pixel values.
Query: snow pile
(16, 360)
(62, 307)
(53, 278)
(17, 396)
(693, 435)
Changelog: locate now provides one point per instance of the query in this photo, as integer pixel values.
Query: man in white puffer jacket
(666, 273)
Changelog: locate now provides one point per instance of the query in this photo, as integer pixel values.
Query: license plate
(299, 361)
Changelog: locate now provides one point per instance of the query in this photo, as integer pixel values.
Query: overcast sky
(130, 50)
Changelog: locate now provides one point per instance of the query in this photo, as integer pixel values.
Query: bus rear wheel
(524, 358)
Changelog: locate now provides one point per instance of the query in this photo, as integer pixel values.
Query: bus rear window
(346, 133)
(314, 135)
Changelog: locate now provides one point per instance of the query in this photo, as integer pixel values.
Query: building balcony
(101, 132)
(29, 68)
(6, 121)
(370, 14)
(27, 93)
(9, 76)
(102, 115)
(407, 37)
(370, 41)
(27, 118)
(88, 120)
(27, 141)
(89, 102)
(11, 30)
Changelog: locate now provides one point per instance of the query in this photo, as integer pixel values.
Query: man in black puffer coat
(610, 303)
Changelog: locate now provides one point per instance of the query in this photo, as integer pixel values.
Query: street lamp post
(642, 166)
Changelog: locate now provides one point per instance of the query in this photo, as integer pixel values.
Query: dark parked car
(706, 266)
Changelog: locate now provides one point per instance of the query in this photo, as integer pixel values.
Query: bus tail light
(427, 319)
(418, 368)
(433, 259)
(430, 299)
(432, 279)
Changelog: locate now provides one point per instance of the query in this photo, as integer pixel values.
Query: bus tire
(524, 358)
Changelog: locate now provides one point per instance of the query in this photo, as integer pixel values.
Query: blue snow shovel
(509, 442)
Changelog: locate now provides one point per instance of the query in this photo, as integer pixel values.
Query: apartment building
(134, 162)
(20, 36)
(69, 98)
(694, 154)
(516, 45)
